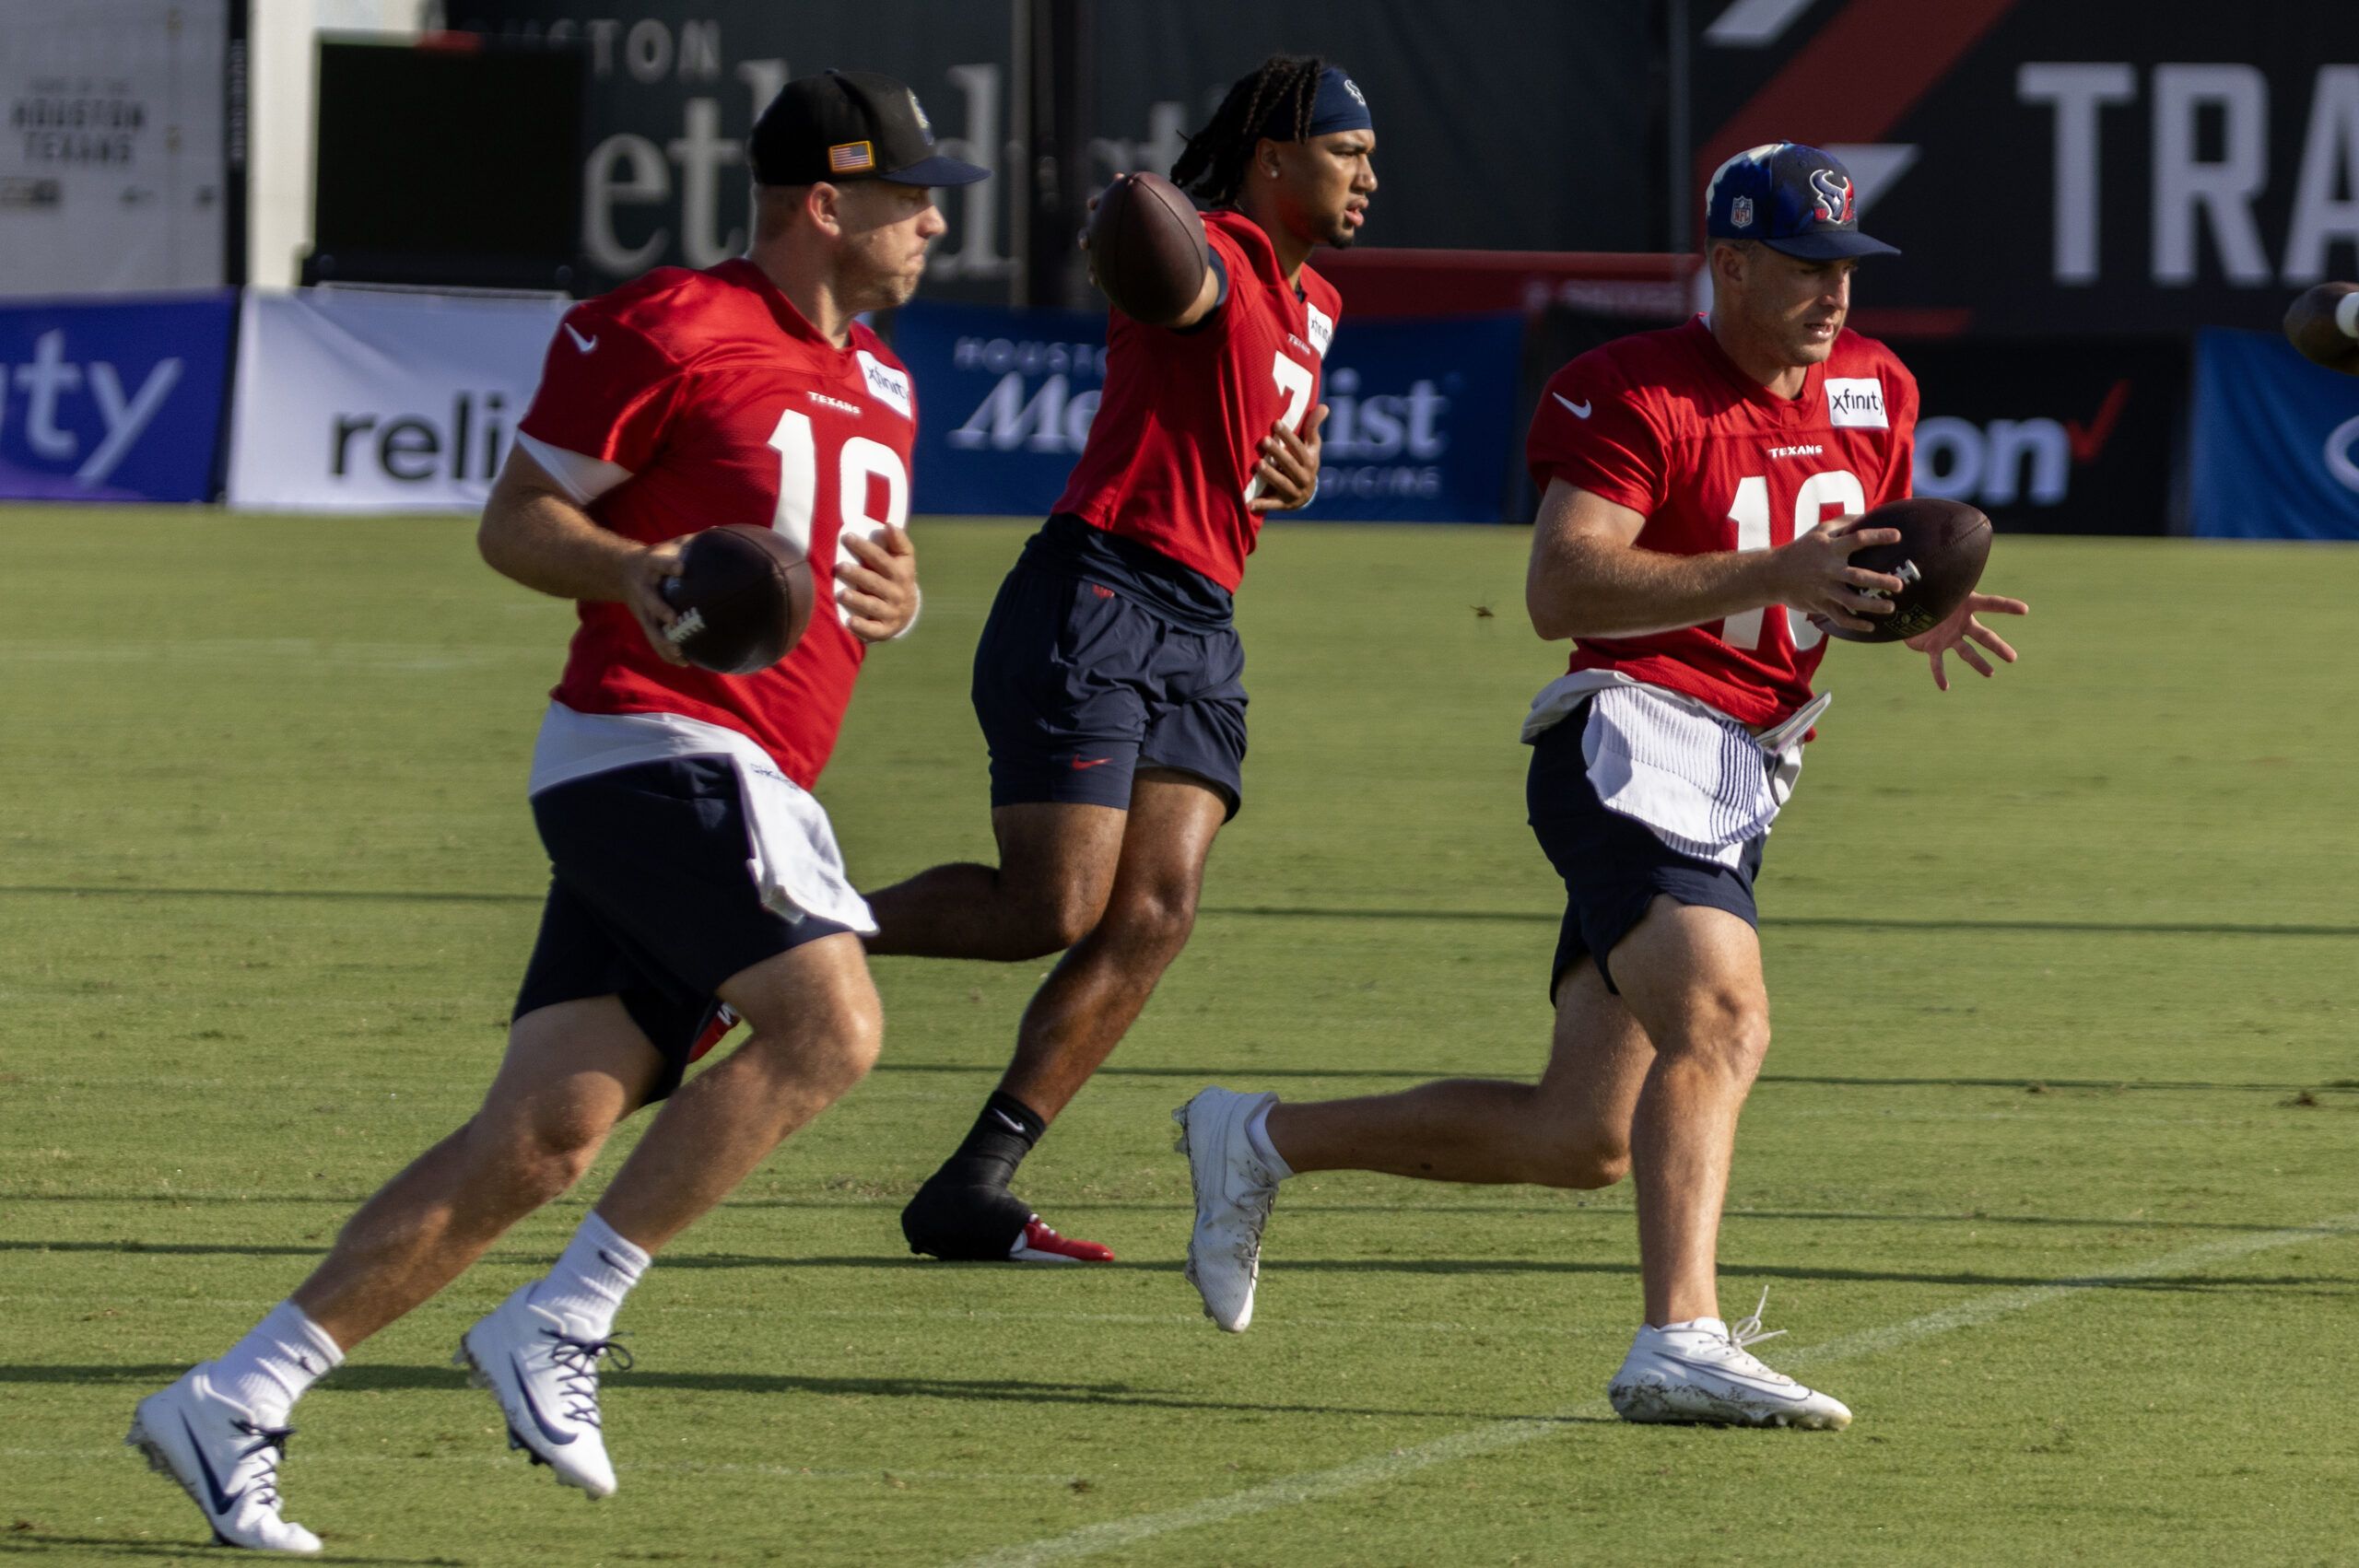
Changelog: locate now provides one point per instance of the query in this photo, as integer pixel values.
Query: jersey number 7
(1294, 381)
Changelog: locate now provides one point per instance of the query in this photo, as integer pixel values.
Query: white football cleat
(1234, 1192)
(225, 1459)
(543, 1368)
(1704, 1373)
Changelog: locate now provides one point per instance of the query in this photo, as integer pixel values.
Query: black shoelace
(577, 1365)
(269, 1440)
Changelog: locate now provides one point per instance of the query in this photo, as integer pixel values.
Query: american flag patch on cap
(850, 158)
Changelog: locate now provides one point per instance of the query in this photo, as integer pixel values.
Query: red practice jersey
(1665, 423)
(1179, 426)
(722, 405)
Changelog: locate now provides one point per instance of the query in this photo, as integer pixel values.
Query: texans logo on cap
(1834, 205)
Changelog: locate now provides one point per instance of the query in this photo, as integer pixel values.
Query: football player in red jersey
(682, 401)
(1701, 492)
(1109, 679)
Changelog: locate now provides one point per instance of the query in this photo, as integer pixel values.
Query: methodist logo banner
(1421, 427)
(364, 400)
(2276, 448)
(114, 401)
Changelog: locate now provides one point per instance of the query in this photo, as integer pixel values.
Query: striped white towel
(1698, 778)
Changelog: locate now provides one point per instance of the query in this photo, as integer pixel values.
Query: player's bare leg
(1570, 1130)
(816, 1028)
(571, 1072)
(1056, 867)
(1073, 1023)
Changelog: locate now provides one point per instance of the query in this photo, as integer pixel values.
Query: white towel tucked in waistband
(1698, 778)
(792, 851)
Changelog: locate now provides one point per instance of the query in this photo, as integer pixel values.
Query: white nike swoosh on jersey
(1580, 410)
(583, 343)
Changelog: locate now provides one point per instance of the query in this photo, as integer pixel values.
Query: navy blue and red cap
(1791, 198)
(845, 126)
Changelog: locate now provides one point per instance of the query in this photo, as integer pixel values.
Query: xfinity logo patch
(887, 385)
(1321, 327)
(1856, 403)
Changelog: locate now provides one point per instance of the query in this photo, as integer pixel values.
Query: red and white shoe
(1041, 1244)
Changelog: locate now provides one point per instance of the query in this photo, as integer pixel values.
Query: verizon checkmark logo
(2089, 439)
(583, 343)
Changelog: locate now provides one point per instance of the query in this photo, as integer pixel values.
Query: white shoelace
(1748, 1331)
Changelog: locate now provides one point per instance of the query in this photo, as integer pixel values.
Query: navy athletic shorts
(650, 900)
(1102, 657)
(1613, 866)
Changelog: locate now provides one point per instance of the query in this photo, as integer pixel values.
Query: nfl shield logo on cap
(1791, 198)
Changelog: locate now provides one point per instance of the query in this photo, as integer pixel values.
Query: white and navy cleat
(1234, 1191)
(543, 1368)
(224, 1459)
(1702, 1373)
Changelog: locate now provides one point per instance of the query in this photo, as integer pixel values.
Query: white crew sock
(598, 1268)
(1696, 1326)
(270, 1368)
(1257, 1135)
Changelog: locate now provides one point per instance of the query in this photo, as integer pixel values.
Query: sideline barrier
(1421, 424)
(2276, 448)
(113, 400)
(368, 400)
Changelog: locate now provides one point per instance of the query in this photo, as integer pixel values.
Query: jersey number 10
(859, 461)
(1837, 487)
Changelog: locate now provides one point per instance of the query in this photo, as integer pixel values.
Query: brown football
(2315, 326)
(1147, 250)
(743, 598)
(1942, 548)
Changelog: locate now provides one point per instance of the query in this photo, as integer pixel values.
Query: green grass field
(2052, 1174)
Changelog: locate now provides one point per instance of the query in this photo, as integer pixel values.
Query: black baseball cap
(1791, 198)
(846, 125)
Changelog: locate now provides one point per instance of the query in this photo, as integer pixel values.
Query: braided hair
(1282, 92)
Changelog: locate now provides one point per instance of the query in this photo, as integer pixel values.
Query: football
(744, 597)
(1942, 548)
(2324, 325)
(1147, 250)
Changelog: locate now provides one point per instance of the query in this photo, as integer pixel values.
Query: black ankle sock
(1002, 1136)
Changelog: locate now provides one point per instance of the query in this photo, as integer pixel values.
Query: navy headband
(1339, 107)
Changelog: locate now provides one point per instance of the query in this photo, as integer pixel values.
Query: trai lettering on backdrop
(1421, 424)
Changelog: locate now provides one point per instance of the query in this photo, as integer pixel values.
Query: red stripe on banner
(1855, 79)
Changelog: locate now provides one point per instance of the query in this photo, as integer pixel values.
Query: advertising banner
(113, 400)
(116, 168)
(380, 400)
(676, 85)
(2059, 168)
(2072, 436)
(1420, 428)
(2276, 448)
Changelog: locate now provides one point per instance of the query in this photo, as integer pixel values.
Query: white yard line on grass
(1291, 1490)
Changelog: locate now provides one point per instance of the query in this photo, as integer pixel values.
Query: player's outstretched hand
(643, 594)
(880, 584)
(1818, 579)
(1963, 630)
(1289, 467)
